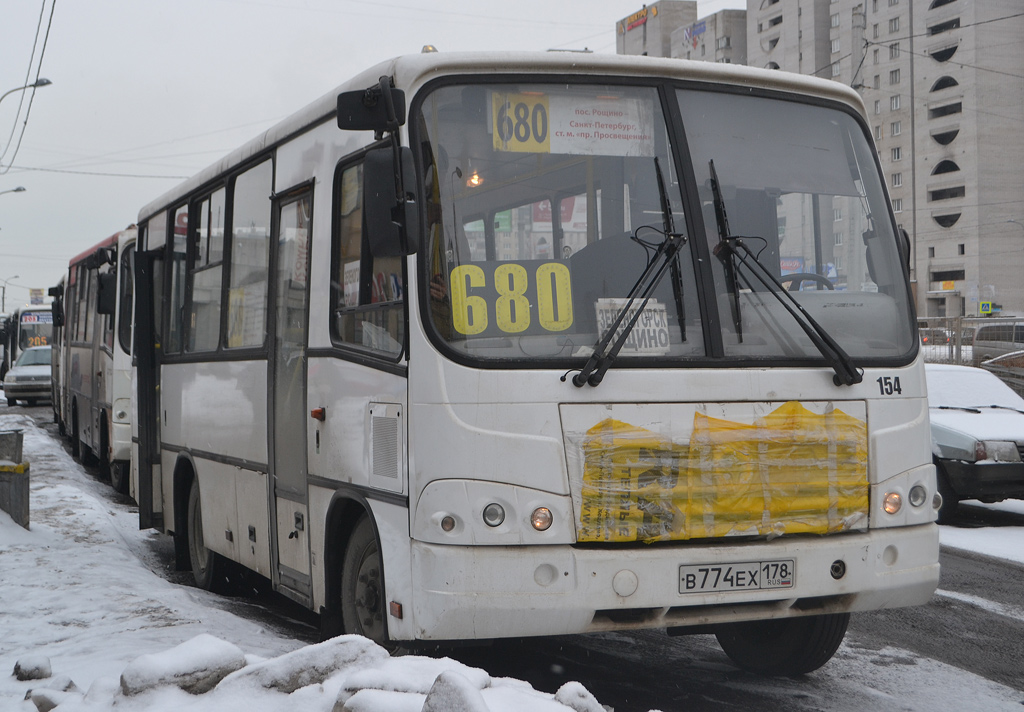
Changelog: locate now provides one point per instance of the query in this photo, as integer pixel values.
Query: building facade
(648, 31)
(943, 84)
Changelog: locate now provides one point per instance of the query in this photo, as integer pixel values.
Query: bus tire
(362, 585)
(784, 646)
(104, 454)
(119, 476)
(203, 561)
(76, 443)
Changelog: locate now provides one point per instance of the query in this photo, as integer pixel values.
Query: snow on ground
(1000, 542)
(78, 597)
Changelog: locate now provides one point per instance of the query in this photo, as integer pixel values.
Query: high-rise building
(648, 30)
(943, 85)
(721, 37)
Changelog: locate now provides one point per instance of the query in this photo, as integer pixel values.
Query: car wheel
(203, 561)
(950, 500)
(362, 585)
(785, 646)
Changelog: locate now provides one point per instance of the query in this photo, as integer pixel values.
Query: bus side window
(175, 323)
(206, 268)
(250, 257)
(368, 294)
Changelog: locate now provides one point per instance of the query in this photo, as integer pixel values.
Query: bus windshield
(545, 203)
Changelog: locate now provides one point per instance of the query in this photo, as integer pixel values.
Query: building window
(837, 237)
(874, 55)
(944, 83)
(943, 55)
(877, 83)
(897, 153)
(939, 3)
(835, 69)
(960, 249)
(874, 32)
(834, 20)
(946, 110)
(897, 180)
(878, 106)
(837, 214)
(894, 24)
(897, 205)
(722, 43)
(947, 193)
(775, 21)
(894, 50)
(894, 76)
(893, 2)
(931, 252)
(878, 132)
(895, 128)
(945, 166)
(835, 46)
(946, 220)
(945, 138)
(894, 102)
(944, 26)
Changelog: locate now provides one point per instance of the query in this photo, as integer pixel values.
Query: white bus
(575, 343)
(25, 327)
(92, 373)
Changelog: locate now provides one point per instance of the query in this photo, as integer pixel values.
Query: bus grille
(792, 471)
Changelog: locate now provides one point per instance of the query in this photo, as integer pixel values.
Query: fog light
(937, 501)
(448, 523)
(541, 519)
(892, 502)
(918, 495)
(494, 514)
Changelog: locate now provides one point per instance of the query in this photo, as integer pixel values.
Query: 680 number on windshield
(511, 298)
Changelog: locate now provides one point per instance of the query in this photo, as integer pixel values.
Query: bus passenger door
(146, 350)
(287, 392)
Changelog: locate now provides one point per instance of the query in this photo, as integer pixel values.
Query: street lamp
(19, 189)
(41, 82)
(3, 293)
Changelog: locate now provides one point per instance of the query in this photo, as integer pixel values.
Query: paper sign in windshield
(576, 125)
(650, 335)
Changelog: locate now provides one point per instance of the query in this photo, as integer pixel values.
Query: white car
(29, 377)
(977, 425)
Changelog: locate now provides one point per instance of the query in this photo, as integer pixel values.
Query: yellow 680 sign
(522, 297)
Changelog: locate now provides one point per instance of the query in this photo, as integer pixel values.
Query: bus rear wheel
(362, 585)
(203, 561)
(785, 646)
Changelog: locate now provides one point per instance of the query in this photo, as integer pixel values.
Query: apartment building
(943, 85)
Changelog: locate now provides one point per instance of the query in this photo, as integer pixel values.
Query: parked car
(931, 336)
(977, 425)
(991, 340)
(29, 378)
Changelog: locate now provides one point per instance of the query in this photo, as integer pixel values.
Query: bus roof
(411, 71)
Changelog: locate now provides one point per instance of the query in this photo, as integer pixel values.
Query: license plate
(745, 576)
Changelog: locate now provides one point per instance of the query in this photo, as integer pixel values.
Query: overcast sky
(147, 93)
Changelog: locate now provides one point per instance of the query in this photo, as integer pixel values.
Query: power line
(98, 173)
(39, 69)
(28, 73)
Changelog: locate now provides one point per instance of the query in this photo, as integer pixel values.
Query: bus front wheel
(785, 646)
(362, 585)
(203, 561)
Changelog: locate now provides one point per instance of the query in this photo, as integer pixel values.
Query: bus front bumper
(485, 592)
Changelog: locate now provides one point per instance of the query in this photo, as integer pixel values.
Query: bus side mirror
(390, 220)
(106, 296)
(905, 244)
(379, 108)
(57, 309)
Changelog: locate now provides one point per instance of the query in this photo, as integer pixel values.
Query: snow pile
(345, 674)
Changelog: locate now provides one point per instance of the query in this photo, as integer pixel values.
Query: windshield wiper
(957, 407)
(733, 249)
(1001, 407)
(664, 256)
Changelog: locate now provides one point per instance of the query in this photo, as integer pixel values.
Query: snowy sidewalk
(74, 593)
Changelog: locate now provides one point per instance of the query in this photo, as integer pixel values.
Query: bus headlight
(494, 514)
(892, 502)
(541, 519)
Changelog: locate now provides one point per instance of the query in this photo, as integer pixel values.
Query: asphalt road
(975, 622)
